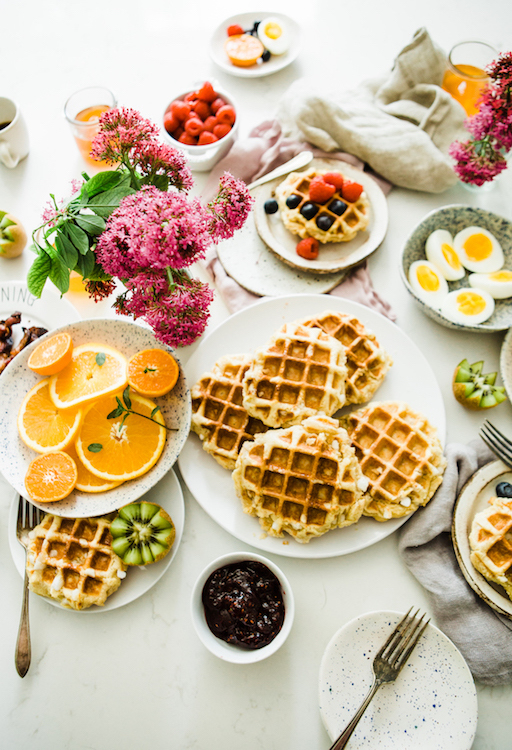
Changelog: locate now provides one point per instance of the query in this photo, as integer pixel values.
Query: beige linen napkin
(483, 636)
(401, 125)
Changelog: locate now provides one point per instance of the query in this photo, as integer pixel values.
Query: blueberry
(293, 200)
(504, 489)
(337, 207)
(309, 210)
(324, 222)
(266, 56)
(270, 207)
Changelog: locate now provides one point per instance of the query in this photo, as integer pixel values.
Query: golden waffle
(367, 362)
(218, 415)
(304, 480)
(300, 372)
(399, 453)
(354, 219)
(70, 560)
(490, 541)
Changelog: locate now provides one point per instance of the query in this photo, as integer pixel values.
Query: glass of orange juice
(465, 76)
(83, 110)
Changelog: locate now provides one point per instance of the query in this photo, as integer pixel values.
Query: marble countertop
(138, 676)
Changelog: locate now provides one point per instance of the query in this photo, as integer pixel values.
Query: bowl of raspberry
(203, 123)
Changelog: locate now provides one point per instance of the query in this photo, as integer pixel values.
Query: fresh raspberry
(351, 191)
(217, 104)
(235, 29)
(308, 248)
(210, 123)
(320, 191)
(207, 93)
(176, 133)
(226, 114)
(190, 97)
(188, 139)
(201, 109)
(181, 109)
(334, 178)
(221, 129)
(206, 137)
(171, 122)
(193, 126)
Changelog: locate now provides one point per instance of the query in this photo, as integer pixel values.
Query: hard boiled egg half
(440, 251)
(478, 250)
(498, 284)
(468, 306)
(273, 35)
(428, 283)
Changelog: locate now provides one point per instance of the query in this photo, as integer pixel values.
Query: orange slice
(51, 477)
(153, 372)
(87, 482)
(52, 355)
(43, 426)
(121, 448)
(243, 50)
(94, 371)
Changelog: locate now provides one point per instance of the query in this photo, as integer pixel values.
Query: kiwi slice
(474, 389)
(142, 533)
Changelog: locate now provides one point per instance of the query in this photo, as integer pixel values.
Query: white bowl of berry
(203, 123)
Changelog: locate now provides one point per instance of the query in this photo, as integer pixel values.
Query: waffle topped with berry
(323, 205)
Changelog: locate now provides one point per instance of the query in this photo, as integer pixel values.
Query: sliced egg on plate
(478, 250)
(428, 283)
(440, 251)
(497, 283)
(468, 306)
(273, 35)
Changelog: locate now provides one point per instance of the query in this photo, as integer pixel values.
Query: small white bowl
(231, 652)
(204, 158)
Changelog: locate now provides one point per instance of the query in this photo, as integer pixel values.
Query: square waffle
(490, 542)
(71, 560)
(299, 373)
(399, 453)
(367, 361)
(303, 480)
(353, 218)
(218, 414)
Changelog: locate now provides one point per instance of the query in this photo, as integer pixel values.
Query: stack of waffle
(490, 541)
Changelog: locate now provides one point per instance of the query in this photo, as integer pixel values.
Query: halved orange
(153, 372)
(52, 355)
(87, 482)
(51, 477)
(44, 427)
(120, 448)
(94, 371)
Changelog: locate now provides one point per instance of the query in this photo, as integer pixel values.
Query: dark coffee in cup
(5, 124)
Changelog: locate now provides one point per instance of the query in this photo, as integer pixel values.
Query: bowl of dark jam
(242, 607)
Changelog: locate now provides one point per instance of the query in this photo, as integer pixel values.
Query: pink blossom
(476, 168)
(121, 130)
(157, 159)
(230, 208)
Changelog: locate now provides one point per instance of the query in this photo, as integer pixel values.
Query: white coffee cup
(13, 134)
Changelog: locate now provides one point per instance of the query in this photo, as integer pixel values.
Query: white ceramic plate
(506, 363)
(432, 703)
(410, 379)
(166, 493)
(333, 256)
(474, 497)
(246, 21)
(16, 381)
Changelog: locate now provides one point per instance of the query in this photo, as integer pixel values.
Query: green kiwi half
(474, 389)
(142, 533)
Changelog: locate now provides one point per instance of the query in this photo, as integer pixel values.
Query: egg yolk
(427, 279)
(470, 303)
(501, 276)
(450, 256)
(478, 247)
(273, 31)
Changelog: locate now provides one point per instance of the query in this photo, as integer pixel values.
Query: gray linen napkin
(401, 124)
(483, 636)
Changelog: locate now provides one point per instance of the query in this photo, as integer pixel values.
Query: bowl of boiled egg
(457, 265)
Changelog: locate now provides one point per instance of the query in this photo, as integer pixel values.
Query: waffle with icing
(490, 541)
(399, 453)
(367, 361)
(71, 560)
(303, 480)
(218, 414)
(300, 372)
(353, 219)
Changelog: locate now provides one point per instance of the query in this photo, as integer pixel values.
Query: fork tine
(405, 635)
(395, 635)
(498, 436)
(497, 443)
(408, 651)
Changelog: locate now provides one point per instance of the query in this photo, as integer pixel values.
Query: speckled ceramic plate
(432, 705)
(48, 312)
(506, 363)
(333, 256)
(455, 218)
(16, 381)
(474, 497)
(166, 493)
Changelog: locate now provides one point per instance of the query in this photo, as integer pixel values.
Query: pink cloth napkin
(251, 158)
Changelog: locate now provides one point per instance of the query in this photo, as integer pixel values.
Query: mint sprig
(125, 409)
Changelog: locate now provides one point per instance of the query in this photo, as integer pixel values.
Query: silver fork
(28, 517)
(387, 664)
(497, 442)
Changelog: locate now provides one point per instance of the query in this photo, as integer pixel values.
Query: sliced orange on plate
(87, 482)
(95, 370)
(153, 372)
(52, 355)
(44, 427)
(51, 477)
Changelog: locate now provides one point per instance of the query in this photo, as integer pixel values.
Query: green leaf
(100, 358)
(78, 237)
(98, 274)
(116, 413)
(85, 265)
(155, 411)
(38, 273)
(66, 250)
(126, 397)
(106, 202)
(95, 447)
(102, 181)
(59, 275)
(90, 223)
(161, 181)
(119, 403)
